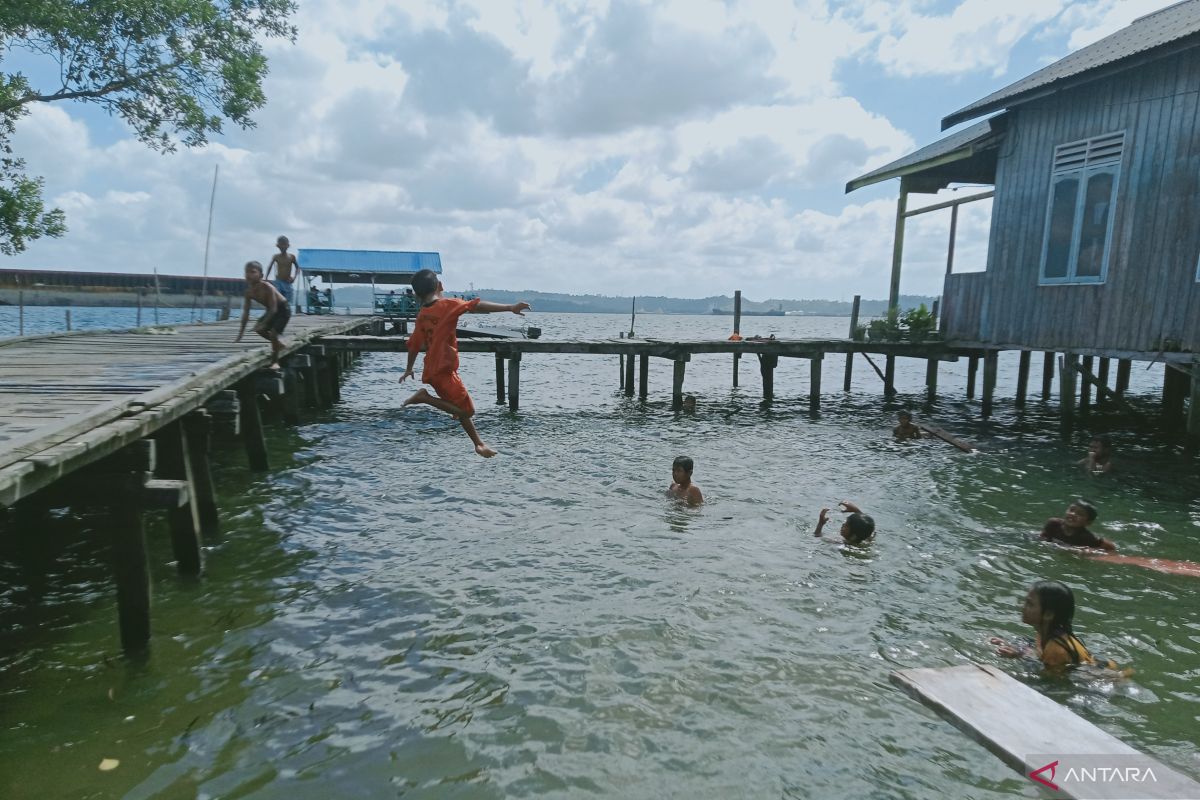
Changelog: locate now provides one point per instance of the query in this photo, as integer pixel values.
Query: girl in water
(1050, 608)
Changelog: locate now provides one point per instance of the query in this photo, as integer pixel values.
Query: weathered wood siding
(962, 305)
(1150, 292)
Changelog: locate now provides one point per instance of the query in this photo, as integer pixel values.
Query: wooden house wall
(1150, 292)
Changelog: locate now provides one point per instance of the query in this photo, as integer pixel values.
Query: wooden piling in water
(1124, 366)
(737, 328)
(990, 363)
(1085, 387)
(972, 369)
(629, 363)
(499, 379)
(174, 463)
(1102, 377)
(131, 568)
(1193, 418)
(766, 368)
(643, 375)
(1067, 363)
(889, 377)
(1047, 374)
(1175, 391)
(814, 381)
(514, 381)
(197, 428)
(252, 427)
(677, 383)
(850, 356)
(931, 380)
(293, 394)
(1022, 378)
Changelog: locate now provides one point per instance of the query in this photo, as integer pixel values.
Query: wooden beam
(1193, 418)
(980, 700)
(514, 382)
(737, 328)
(990, 361)
(131, 568)
(252, 427)
(951, 204)
(499, 379)
(643, 375)
(677, 384)
(953, 238)
(931, 380)
(1175, 391)
(889, 376)
(1068, 363)
(766, 368)
(850, 356)
(972, 369)
(197, 427)
(629, 362)
(814, 382)
(1022, 378)
(1047, 374)
(1124, 366)
(1085, 387)
(898, 249)
(184, 521)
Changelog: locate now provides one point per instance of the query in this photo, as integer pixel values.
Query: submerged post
(1175, 389)
(1047, 374)
(677, 383)
(889, 377)
(1085, 387)
(629, 362)
(68, 315)
(1102, 378)
(1022, 379)
(20, 312)
(737, 328)
(175, 463)
(972, 368)
(990, 361)
(931, 376)
(643, 375)
(1123, 367)
(252, 427)
(853, 333)
(1067, 363)
(197, 428)
(766, 367)
(499, 379)
(131, 568)
(514, 381)
(1193, 419)
(814, 381)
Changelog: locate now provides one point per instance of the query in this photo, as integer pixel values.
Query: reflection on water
(387, 614)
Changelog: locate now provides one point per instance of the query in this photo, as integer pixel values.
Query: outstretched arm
(821, 521)
(484, 307)
(245, 318)
(849, 507)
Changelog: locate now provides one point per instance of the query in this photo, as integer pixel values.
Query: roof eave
(945, 158)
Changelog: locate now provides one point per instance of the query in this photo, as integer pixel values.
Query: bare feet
(420, 396)
(484, 450)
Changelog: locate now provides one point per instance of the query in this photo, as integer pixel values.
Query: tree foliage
(174, 70)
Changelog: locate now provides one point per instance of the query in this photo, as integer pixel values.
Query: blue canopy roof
(367, 266)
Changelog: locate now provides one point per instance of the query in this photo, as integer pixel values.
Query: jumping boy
(682, 487)
(1071, 528)
(284, 264)
(271, 324)
(857, 528)
(435, 332)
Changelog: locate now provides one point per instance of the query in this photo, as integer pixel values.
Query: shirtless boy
(1072, 530)
(682, 488)
(286, 270)
(906, 429)
(271, 324)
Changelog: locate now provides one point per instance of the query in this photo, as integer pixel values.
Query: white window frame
(1083, 167)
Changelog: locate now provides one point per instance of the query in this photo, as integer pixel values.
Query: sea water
(388, 615)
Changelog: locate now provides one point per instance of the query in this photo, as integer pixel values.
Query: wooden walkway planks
(67, 400)
(1021, 725)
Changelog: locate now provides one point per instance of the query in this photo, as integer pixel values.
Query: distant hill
(360, 296)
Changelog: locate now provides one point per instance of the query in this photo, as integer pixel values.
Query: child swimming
(857, 528)
(1050, 609)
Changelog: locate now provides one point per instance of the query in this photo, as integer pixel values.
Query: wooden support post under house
(499, 379)
(853, 332)
(889, 376)
(1085, 388)
(737, 328)
(1102, 391)
(1047, 374)
(252, 427)
(766, 367)
(990, 362)
(1067, 364)
(1102, 376)
(131, 567)
(312, 383)
(1193, 418)
(814, 381)
(621, 368)
(677, 383)
(226, 411)
(1022, 378)
(643, 375)
(514, 381)
(197, 428)
(1124, 365)
(898, 247)
(1175, 390)
(972, 369)
(174, 463)
(293, 394)
(630, 359)
(931, 380)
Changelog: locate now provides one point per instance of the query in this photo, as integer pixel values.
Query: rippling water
(388, 615)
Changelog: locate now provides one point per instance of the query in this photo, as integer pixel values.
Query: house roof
(367, 266)
(1165, 31)
(968, 143)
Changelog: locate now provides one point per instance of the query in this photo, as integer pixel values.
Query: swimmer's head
(689, 403)
(1100, 446)
(904, 416)
(857, 528)
(425, 283)
(1049, 607)
(681, 469)
(1080, 513)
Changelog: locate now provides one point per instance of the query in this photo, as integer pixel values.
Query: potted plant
(860, 333)
(877, 330)
(891, 330)
(919, 324)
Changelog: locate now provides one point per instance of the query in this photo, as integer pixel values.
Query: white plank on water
(1028, 730)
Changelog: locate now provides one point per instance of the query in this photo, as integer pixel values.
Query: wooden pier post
(621, 362)
(1022, 378)
(677, 383)
(131, 568)
(1175, 390)
(889, 377)
(737, 328)
(643, 375)
(629, 361)
(1193, 418)
(972, 369)
(1085, 388)
(850, 356)
(1047, 374)
(175, 463)
(226, 411)
(1102, 377)
(197, 428)
(293, 389)
(766, 367)
(252, 427)
(990, 361)
(514, 381)
(931, 378)
(814, 381)
(1124, 365)
(68, 314)
(499, 379)
(1067, 363)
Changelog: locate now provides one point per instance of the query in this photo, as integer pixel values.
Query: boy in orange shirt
(435, 332)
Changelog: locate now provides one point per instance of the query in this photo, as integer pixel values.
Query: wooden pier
(121, 420)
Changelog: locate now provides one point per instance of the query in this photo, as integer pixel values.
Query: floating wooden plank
(965, 446)
(1028, 730)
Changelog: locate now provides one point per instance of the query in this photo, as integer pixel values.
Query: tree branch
(93, 94)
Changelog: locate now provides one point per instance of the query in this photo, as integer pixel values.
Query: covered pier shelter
(375, 267)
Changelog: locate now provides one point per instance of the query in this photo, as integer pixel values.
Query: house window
(1079, 217)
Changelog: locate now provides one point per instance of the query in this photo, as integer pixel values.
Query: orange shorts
(451, 389)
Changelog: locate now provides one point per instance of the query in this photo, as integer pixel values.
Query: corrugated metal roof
(956, 146)
(366, 263)
(1169, 25)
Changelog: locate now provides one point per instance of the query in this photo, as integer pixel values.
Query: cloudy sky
(678, 147)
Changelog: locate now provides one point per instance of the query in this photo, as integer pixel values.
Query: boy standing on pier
(271, 324)
(286, 270)
(435, 332)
